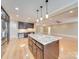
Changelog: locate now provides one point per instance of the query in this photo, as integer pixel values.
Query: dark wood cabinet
(25, 25)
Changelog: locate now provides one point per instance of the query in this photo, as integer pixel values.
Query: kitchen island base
(40, 51)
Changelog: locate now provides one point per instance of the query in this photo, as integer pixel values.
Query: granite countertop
(44, 39)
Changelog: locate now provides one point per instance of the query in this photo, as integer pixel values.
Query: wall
(67, 29)
(13, 29)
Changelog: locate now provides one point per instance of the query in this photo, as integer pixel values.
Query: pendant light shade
(41, 18)
(46, 9)
(37, 20)
(47, 16)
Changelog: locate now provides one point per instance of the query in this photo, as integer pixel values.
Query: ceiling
(64, 17)
(27, 8)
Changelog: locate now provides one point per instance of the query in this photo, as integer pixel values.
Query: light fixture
(47, 16)
(71, 11)
(37, 16)
(41, 18)
(37, 20)
(46, 9)
(16, 8)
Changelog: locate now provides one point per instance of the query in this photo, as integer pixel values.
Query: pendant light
(46, 9)
(41, 18)
(37, 16)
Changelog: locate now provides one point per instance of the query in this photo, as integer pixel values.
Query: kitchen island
(44, 46)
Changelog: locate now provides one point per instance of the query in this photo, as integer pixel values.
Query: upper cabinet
(24, 25)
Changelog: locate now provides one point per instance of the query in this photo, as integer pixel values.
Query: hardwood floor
(68, 48)
(18, 49)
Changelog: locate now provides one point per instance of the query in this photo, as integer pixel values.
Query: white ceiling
(65, 17)
(27, 8)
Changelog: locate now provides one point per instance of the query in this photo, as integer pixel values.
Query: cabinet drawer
(33, 41)
(39, 45)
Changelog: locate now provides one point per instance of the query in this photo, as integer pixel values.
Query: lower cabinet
(39, 51)
(36, 50)
(30, 45)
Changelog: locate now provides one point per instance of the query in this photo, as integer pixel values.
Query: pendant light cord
(41, 10)
(37, 13)
(46, 6)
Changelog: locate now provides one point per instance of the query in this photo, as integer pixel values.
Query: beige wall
(70, 29)
(66, 29)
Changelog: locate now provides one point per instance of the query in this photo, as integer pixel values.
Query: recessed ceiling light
(16, 8)
(70, 11)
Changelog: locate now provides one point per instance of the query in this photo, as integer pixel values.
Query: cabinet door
(34, 51)
(39, 53)
(30, 45)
